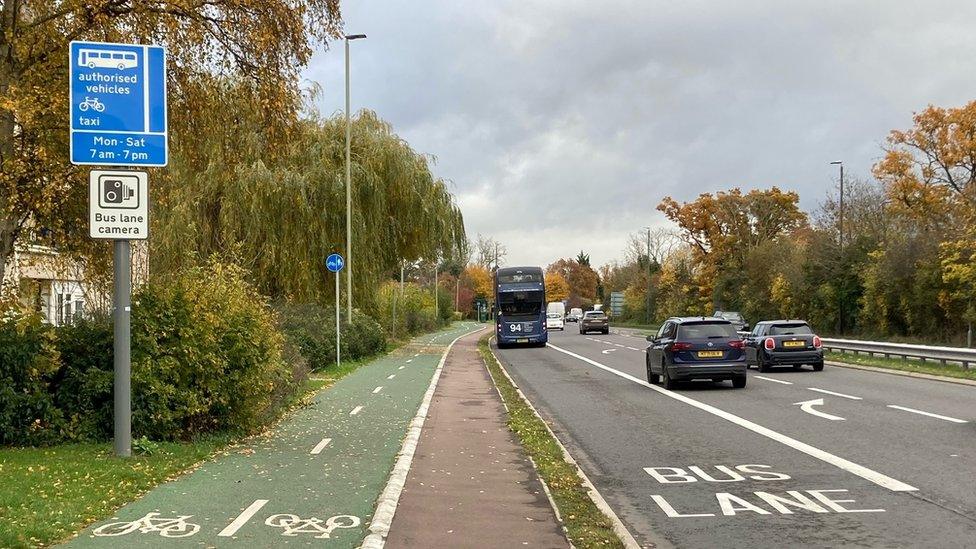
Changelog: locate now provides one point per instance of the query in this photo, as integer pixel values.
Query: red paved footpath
(470, 484)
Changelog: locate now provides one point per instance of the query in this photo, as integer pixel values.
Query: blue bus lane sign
(118, 104)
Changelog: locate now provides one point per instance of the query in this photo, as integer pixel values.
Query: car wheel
(797, 366)
(818, 367)
(666, 379)
(761, 364)
(739, 382)
(652, 378)
(607, 331)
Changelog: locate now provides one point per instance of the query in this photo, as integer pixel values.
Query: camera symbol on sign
(118, 192)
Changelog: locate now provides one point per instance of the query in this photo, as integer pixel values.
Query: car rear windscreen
(706, 330)
(790, 329)
(596, 315)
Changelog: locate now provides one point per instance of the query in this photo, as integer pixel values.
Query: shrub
(411, 312)
(28, 359)
(83, 385)
(206, 355)
(312, 329)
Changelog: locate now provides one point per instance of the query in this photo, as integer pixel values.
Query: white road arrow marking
(608, 351)
(808, 405)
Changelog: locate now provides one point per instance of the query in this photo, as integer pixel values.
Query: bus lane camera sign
(118, 205)
(118, 104)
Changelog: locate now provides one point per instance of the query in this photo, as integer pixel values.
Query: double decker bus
(520, 306)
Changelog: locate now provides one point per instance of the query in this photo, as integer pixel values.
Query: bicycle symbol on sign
(293, 525)
(167, 527)
(91, 103)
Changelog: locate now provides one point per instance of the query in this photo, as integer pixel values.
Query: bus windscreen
(515, 304)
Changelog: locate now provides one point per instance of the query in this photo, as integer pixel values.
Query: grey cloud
(563, 123)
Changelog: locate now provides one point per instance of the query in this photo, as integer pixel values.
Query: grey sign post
(117, 117)
(334, 263)
(118, 209)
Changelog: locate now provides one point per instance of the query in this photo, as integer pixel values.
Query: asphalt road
(712, 466)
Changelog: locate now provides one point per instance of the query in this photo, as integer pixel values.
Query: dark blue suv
(698, 347)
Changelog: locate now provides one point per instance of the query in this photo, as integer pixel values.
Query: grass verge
(49, 493)
(585, 524)
(928, 367)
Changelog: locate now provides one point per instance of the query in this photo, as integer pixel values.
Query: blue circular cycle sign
(334, 263)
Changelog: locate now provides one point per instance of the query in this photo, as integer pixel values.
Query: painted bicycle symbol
(91, 103)
(294, 525)
(166, 527)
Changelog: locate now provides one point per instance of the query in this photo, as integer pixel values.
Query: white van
(556, 307)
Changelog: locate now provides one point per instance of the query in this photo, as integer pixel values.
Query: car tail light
(769, 344)
(816, 342)
(737, 344)
(680, 346)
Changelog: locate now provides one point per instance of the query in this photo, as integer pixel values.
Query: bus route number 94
(515, 327)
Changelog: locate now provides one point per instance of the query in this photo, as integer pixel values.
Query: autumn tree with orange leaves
(724, 229)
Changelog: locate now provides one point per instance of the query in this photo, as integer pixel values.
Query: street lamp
(840, 232)
(349, 37)
(648, 274)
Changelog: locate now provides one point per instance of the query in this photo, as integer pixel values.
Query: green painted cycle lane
(313, 480)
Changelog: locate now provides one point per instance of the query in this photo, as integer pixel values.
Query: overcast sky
(563, 123)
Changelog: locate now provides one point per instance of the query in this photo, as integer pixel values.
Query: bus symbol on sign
(334, 263)
(106, 59)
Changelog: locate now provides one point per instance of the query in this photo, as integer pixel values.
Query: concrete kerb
(618, 526)
(919, 375)
(379, 526)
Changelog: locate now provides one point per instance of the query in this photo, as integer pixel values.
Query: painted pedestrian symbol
(335, 263)
(294, 525)
(166, 527)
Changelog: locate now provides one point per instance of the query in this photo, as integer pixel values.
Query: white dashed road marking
(320, 446)
(839, 462)
(930, 414)
(378, 389)
(842, 395)
(774, 380)
(391, 376)
(242, 519)
(356, 410)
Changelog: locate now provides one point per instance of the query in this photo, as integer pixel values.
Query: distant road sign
(118, 205)
(118, 104)
(334, 263)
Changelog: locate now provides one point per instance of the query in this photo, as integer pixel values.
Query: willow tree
(266, 42)
(279, 207)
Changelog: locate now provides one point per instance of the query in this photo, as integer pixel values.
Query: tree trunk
(9, 218)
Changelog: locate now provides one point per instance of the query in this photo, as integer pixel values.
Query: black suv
(696, 348)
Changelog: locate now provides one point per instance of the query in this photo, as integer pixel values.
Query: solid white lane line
(930, 414)
(378, 389)
(320, 446)
(849, 466)
(391, 376)
(774, 380)
(242, 518)
(842, 395)
(356, 410)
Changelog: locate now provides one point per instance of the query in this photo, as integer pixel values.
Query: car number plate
(710, 354)
(794, 344)
(522, 340)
